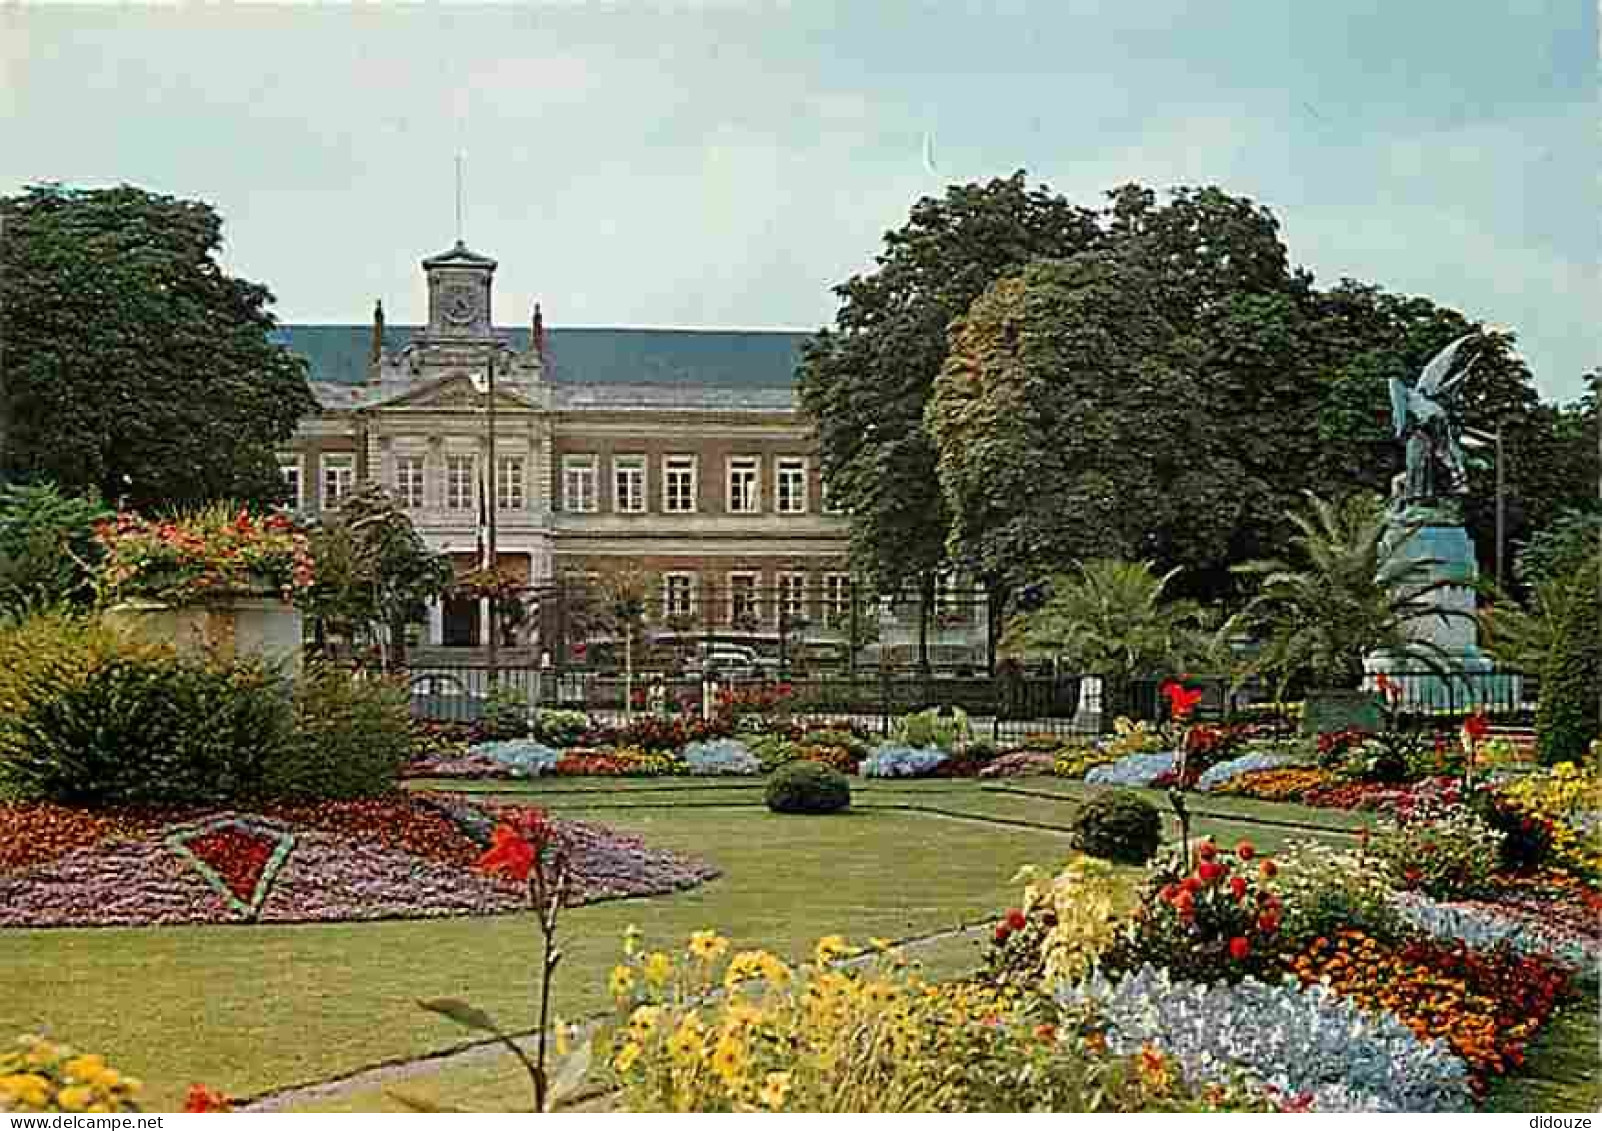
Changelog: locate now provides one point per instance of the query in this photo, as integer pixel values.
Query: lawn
(258, 1009)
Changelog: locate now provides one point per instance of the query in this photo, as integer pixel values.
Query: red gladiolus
(1268, 922)
(1475, 727)
(1206, 850)
(1237, 886)
(1245, 850)
(1016, 920)
(509, 855)
(1190, 884)
(1268, 869)
(1185, 904)
(1239, 948)
(1209, 871)
(1002, 933)
(1181, 700)
(1169, 892)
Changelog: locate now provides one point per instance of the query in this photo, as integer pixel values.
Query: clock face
(460, 303)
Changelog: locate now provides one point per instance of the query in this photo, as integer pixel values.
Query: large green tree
(866, 380)
(135, 366)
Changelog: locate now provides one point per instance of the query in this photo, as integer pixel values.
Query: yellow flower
(728, 1058)
(626, 1056)
(75, 1098)
(708, 945)
(621, 982)
(774, 1091)
(685, 1045)
(739, 1015)
(829, 948)
(880, 993)
(84, 1067)
(643, 1020)
(106, 1079)
(658, 968)
(774, 969)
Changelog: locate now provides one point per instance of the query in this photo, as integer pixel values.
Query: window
(578, 484)
(743, 609)
(744, 488)
(792, 486)
(678, 594)
(678, 484)
(461, 485)
(792, 597)
(409, 481)
(510, 492)
(837, 600)
(289, 468)
(339, 478)
(628, 484)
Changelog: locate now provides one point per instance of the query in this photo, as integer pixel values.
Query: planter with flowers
(211, 581)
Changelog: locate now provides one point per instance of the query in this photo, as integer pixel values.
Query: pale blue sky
(723, 164)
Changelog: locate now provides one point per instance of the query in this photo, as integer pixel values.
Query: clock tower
(459, 293)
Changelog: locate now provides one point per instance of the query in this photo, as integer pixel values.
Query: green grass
(252, 1009)
(257, 1009)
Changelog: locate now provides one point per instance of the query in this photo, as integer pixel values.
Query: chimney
(539, 334)
(375, 355)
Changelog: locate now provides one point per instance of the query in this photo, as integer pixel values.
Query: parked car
(446, 698)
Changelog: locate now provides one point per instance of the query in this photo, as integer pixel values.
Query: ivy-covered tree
(134, 365)
(866, 380)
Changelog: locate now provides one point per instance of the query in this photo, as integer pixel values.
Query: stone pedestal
(1471, 680)
(238, 627)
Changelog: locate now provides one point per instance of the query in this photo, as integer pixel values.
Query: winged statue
(1424, 421)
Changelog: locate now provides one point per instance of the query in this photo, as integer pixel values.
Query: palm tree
(1110, 618)
(1354, 593)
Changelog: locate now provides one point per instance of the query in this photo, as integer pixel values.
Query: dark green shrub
(1121, 826)
(506, 714)
(351, 737)
(87, 717)
(807, 787)
(1567, 719)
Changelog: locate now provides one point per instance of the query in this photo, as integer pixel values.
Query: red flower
(1475, 727)
(1239, 948)
(1268, 869)
(1209, 871)
(1169, 892)
(1185, 904)
(1237, 886)
(1412, 876)
(1016, 920)
(1268, 922)
(1190, 884)
(1181, 701)
(1003, 933)
(1206, 850)
(202, 1099)
(1245, 850)
(509, 855)
(1046, 1033)
(1388, 687)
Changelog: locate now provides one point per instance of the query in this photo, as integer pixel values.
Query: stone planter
(228, 628)
(1332, 710)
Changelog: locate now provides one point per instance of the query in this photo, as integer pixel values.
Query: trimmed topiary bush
(1120, 827)
(807, 787)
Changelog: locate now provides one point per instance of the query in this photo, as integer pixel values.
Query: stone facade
(662, 449)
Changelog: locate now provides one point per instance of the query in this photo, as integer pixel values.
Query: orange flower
(509, 855)
(202, 1099)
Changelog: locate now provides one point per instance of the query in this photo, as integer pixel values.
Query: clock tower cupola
(459, 282)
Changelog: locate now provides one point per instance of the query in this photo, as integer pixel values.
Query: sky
(725, 164)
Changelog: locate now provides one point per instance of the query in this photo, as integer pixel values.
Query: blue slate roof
(722, 359)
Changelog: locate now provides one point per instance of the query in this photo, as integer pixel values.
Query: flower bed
(407, 857)
(895, 761)
(1286, 784)
(1216, 776)
(1398, 799)
(1133, 770)
(1020, 763)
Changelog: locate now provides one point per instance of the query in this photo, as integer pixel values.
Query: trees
(1141, 399)
(1347, 596)
(47, 546)
(866, 381)
(1110, 618)
(135, 366)
(374, 571)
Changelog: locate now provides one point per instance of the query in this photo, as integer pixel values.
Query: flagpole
(491, 505)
